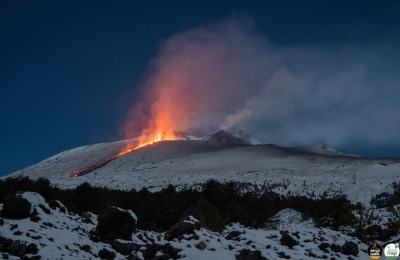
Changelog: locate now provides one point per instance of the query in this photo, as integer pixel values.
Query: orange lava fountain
(143, 141)
(150, 139)
(166, 103)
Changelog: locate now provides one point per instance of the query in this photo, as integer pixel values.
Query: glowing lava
(144, 140)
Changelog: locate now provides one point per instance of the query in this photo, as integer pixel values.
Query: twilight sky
(291, 73)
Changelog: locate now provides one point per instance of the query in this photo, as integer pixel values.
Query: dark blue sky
(70, 70)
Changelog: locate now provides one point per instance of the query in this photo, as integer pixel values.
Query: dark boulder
(185, 226)
(85, 248)
(32, 249)
(16, 207)
(287, 240)
(20, 248)
(94, 237)
(201, 245)
(124, 248)
(350, 248)
(133, 257)
(283, 255)
(336, 248)
(115, 223)
(323, 246)
(87, 218)
(44, 208)
(5, 243)
(17, 248)
(233, 234)
(246, 254)
(151, 250)
(161, 257)
(169, 250)
(55, 204)
(106, 254)
(34, 217)
(157, 251)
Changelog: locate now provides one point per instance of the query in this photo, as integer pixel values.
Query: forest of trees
(215, 205)
(386, 199)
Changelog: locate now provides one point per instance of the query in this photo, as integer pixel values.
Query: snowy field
(310, 171)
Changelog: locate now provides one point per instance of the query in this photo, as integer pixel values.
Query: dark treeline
(216, 205)
(386, 199)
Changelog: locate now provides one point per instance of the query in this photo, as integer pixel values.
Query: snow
(188, 163)
(34, 198)
(60, 236)
(264, 240)
(320, 149)
(133, 215)
(290, 219)
(193, 219)
(56, 239)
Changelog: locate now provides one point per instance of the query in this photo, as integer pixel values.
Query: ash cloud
(229, 75)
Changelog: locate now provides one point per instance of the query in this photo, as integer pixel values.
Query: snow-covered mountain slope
(55, 233)
(320, 149)
(223, 157)
(248, 138)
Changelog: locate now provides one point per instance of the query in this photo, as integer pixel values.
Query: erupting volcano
(193, 85)
(162, 108)
(218, 140)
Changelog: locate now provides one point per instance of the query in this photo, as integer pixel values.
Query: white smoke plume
(298, 95)
(233, 120)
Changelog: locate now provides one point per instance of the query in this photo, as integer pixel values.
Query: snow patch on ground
(62, 236)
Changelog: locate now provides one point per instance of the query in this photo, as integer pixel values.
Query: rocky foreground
(31, 228)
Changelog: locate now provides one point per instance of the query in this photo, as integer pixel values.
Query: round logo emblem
(375, 251)
(392, 251)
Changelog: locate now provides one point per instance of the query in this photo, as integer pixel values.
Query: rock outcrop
(288, 240)
(16, 207)
(350, 248)
(185, 226)
(51, 232)
(115, 223)
(246, 254)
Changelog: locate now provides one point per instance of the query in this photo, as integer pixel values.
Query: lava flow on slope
(144, 140)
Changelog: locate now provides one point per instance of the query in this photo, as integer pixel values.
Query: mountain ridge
(223, 156)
